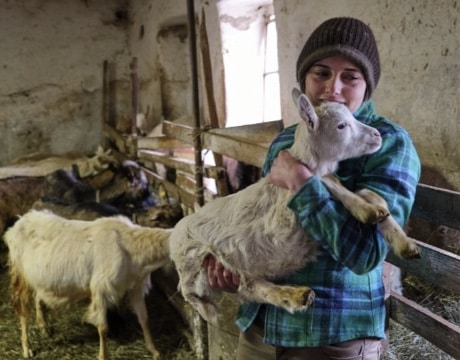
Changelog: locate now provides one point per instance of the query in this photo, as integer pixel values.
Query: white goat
(254, 234)
(64, 261)
(44, 164)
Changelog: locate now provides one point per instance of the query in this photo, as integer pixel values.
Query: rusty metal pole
(196, 104)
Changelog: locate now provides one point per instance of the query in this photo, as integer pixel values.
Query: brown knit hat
(342, 36)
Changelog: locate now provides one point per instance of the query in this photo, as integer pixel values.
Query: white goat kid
(254, 234)
(64, 261)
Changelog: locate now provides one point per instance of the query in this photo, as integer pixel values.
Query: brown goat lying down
(64, 261)
(254, 233)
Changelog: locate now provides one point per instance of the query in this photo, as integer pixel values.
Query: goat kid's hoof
(371, 214)
(297, 298)
(411, 252)
(378, 214)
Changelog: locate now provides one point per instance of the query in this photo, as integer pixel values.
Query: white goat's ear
(305, 107)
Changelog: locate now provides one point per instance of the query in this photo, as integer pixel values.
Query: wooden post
(134, 95)
(221, 181)
(105, 101)
(196, 104)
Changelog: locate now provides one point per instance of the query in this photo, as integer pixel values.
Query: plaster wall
(52, 54)
(51, 72)
(159, 37)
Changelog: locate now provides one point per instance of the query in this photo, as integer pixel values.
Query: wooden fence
(249, 144)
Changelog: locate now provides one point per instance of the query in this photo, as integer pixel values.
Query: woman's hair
(342, 36)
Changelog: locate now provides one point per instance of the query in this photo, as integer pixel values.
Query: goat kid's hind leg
(137, 302)
(196, 290)
(402, 245)
(290, 298)
(365, 211)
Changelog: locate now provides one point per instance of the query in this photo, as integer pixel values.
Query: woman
(340, 63)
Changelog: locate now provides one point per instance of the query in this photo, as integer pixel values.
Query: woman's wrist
(302, 175)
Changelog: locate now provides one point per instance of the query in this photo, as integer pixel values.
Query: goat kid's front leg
(402, 245)
(290, 298)
(361, 209)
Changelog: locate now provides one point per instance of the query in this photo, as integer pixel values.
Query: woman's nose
(333, 85)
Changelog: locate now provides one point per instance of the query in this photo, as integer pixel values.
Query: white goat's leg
(366, 212)
(401, 244)
(40, 317)
(138, 305)
(27, 352)
(290, 298)
(102, 330)
(96, 314)
(21, 293)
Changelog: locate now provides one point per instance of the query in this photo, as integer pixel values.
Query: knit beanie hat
(342, 36)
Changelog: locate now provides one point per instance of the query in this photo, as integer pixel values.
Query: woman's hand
(288, 172)
(219, 277)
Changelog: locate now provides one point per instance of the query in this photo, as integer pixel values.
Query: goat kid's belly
(253, 238)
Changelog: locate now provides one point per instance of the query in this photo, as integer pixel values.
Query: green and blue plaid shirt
(347, 276)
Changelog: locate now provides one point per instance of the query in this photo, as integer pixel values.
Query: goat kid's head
(331, 132)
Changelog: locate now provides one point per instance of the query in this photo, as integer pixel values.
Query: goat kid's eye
(342, 126)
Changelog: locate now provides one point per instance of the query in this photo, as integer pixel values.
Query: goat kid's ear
(306, 109)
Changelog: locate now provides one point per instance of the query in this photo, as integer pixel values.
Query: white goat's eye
(342, 126)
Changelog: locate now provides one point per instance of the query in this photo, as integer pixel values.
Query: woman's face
(336, 79)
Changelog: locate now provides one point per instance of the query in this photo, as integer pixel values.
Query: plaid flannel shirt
(347, 276)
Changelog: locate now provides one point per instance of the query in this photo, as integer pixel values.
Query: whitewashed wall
(420, 54)
(51, 72)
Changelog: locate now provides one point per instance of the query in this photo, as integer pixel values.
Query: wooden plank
(432, 327)
(215, 172)
(250, 152)
(159, 142)
(221, 182)
(257, 133)
(437, 205)
(178, 131)
(186, 182)
(177, 163)
(434, 264)
(172, 189)
(207, 71)
(115, 138)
